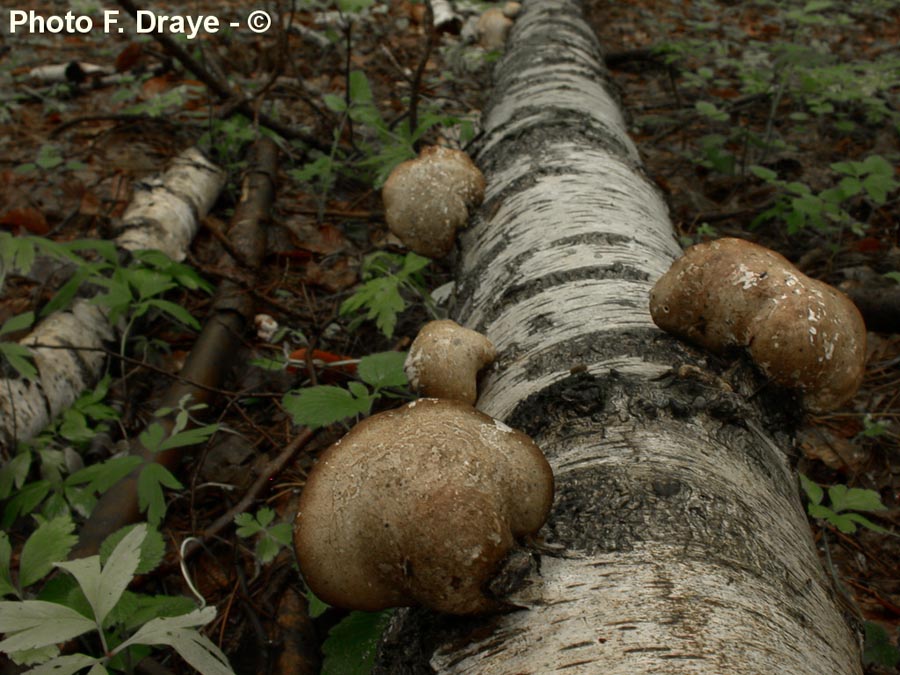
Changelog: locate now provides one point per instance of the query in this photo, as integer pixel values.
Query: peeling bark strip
(163, 215)
(165, 210)
(677, 543)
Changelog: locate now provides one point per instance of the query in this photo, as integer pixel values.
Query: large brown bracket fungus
(419, 505)
(801, 332)
(444, 361)
(427, 199)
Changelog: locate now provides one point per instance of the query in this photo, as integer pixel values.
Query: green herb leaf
(48, 544)
(104, 588)
(153, 548)
(152, 479)
(6, 584)
(384, 369)
(878, 647)
(34, 624)
(247, 525)
(351, 644)
(812, 490)
(17, 323)
(854, 499)
(322, 405)
(193, 647)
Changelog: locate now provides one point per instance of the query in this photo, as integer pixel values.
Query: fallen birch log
(164, 214)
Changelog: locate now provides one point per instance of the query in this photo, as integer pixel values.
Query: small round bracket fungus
(419, 505)
(428, 198)
(493, 28)
(801, 332)
(444, 361)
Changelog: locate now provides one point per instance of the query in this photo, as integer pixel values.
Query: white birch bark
(165, 211)
(677, 542)
(164, 214)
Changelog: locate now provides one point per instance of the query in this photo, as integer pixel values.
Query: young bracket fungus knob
(444, 361)
(419, 505)
(493, 28)
(800, 331)
(428, 198)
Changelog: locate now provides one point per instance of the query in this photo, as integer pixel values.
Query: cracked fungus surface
(419, 505)
(800, 331)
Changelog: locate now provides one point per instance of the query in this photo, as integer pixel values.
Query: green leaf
(34, 624)
(104, 588)
(877, 187)
(412, 263)
(100, 477)
(247, 525)
(17, 323)
(6, 584)
(68, 664)
(315, 606)
(282, 533)
(878, 647)
(878, 165)
(25, 501)
(854, 499)
(195, 436)
(176, 311)
(819, 511)
(812, 490)
(152, 551)
(154, 606)
(384, 369)
(14, 472)
(381, 297)
(193, 647)
(354, 6)
(266, 550)
(360, 91)
(153, 436)
(152, 479)
(865, 522)
(20, 358)
(48, 544)
(351, 644)
(334, 103)
(322, 405)
(265, 516)
(762, 172)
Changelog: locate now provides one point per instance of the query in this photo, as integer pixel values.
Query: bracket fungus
(444, 361)
(494, 25)
(428, 198)
(419, 505)
(801, 332)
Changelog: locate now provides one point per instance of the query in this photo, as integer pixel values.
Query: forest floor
(777, 122)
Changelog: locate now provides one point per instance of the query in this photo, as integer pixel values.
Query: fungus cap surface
(800, 331)
(419, 505)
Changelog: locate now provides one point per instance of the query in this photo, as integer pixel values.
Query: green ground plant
(322, 405)
(125, 624)
(798, 206)
(270, 536)
(843, 507)
(387, 279)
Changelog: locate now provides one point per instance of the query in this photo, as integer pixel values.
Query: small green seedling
(385, 277)
(843, 505)
(322, 405)
(154, 477)
(271, 537)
